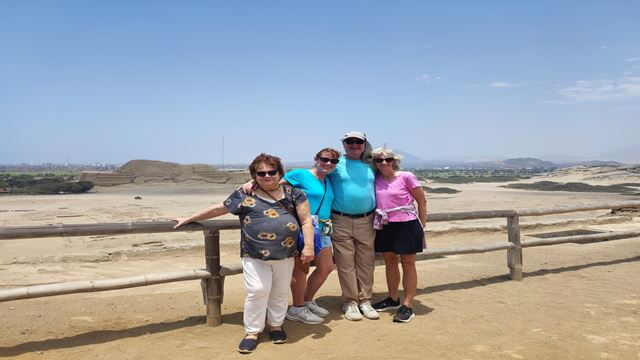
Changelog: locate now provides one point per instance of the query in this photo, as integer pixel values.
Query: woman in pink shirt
(400, 229)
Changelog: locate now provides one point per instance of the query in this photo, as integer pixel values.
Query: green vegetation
(440, 190)
(465, 176)
(49, 183)
(624, 189)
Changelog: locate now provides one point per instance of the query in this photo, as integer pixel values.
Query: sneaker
(316, 309)
(368, 311)
(404, 314)
(303, 314)
(351, 312)
(387, 304)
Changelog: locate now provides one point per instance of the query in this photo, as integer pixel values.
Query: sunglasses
(265, 173)
(328, 160)
(351, 141)
(380, 160)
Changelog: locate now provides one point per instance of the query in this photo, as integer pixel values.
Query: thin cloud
(631, 59)
(502, 84)
(600, 90)
(428, 78)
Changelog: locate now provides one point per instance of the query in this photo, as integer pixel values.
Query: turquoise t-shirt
(304, 180)
(353, 187)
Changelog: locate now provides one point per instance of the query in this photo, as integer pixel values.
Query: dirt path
(576, 302)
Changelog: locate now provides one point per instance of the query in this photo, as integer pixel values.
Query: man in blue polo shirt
(353, 234)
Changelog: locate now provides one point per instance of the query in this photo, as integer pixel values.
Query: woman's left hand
(181, 221)
(307, 255)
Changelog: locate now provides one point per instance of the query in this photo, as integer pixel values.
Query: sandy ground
(577, 301)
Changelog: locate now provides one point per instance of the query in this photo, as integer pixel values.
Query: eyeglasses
(265, 173)
(380, 160)
(328, 160)
(352, 141)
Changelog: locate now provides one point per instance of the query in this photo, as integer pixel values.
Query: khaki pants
(354, 256)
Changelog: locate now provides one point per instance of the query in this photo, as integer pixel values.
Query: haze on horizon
(85, 82)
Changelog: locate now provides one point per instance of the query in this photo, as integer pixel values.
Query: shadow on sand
(296, 330)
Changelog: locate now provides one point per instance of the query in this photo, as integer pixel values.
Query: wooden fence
(212, 277)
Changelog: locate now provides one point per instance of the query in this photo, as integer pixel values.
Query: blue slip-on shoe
(247, 345)
(278, 336)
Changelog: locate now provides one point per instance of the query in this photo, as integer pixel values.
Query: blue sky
(109, 81)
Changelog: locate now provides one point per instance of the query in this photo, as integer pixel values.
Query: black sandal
(278, 336)
(248, 345)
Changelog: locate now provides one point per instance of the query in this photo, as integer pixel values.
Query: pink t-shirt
(396, 193)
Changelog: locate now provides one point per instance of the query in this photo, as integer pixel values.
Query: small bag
(327, 227)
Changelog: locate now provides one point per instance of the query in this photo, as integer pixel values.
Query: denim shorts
(325, 240)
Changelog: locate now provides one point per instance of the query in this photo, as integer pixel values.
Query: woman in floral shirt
(267, 245)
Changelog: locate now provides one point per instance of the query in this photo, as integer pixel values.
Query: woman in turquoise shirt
(315, 183)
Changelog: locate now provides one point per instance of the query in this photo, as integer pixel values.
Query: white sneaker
(351, 312)
(303, 314)
(316, 309)
(368, 311)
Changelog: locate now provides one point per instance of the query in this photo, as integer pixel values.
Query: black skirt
(402, 238)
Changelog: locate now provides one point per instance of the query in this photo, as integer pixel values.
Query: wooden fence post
(213, 285)
(514, 255)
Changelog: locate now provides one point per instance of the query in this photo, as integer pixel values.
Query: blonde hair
(377, 152)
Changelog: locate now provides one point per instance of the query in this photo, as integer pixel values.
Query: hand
(307, 255)
(181, 221)
(248, 187)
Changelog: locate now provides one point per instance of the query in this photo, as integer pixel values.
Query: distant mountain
(524, 163)
(516, 163)
(412, 161)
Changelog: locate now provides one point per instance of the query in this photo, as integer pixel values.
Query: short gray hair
(390, 153)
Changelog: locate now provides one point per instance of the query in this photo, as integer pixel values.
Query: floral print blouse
(268, 231)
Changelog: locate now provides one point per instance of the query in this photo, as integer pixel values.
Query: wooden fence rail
(212, 277)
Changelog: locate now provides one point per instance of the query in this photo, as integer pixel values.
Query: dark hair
(267, 159)
(333, 152)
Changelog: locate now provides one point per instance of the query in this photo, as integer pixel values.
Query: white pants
(266, 284)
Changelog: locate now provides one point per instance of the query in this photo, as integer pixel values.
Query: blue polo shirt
(353, 187)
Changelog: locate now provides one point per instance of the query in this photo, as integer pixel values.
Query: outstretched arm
(208, 213)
